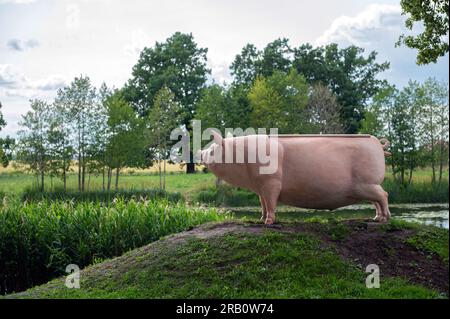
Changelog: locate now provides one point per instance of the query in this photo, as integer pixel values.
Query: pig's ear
(217, 137)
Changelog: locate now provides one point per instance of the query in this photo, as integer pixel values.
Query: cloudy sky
(45, 43)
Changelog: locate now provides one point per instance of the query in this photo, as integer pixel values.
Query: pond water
(428, 214)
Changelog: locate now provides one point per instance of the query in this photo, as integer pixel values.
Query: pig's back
(322, 172)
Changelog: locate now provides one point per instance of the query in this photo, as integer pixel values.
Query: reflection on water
(436, 218)
(428, 214)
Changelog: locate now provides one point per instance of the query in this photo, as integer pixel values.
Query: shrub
(417, 192)
(34, 195)
(228, 196)
(38, 240)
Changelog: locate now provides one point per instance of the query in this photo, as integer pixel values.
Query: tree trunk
(79, 170)
(83, 176)
(64, 176)
(103, 178)
(109, 178)
(117, 178)
(164, 179)
(402, 171)
(441, 160)
(42, 180)
(190, 167)
(433, 168)
(159, 171)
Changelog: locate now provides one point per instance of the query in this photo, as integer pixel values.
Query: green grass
(176, 182)
(226, 195)
(433, 240)
(33, 195)
(38, 240)
(268, 264)
(417, 192)
(200, 187)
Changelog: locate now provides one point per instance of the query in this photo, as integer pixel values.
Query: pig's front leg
(263, 208)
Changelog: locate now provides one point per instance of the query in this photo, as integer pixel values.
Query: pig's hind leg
(379, 212)
(378, 196)
(270, 194)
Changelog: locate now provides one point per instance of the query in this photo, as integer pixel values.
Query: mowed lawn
(175, 182)
(13, 180)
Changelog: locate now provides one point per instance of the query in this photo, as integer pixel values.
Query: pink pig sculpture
(311, 171)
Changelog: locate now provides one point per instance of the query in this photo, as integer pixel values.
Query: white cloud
(139, 40)
(19, 45)
(10, 77)
(15, 84)
(354, 30)
(17, 1)
(220, 72)
(53, 82)
(377, 28)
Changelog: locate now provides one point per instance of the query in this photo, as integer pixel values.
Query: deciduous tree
(432, 43)
(177, 63)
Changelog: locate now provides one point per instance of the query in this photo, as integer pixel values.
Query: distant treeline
(300, 89)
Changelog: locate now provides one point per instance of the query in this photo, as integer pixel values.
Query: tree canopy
(348, 72)
(279, 101)
(432, 43)
(179, 64)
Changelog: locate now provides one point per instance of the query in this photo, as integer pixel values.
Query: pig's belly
(324, 194)
(319, 203)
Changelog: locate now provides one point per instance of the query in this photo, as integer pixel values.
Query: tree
(279, 101)
(251, 62)
(33, 139)
(223, 108)
(238, 107)
(164, 117)
(350, 75)
(6, 144)
(377, 112)
(401, 115)
(59, 151)
(324, 111)
(177, 63)
(2, 120)
(125, 143)
(60, 136)
(212, 108)
(432, 43)
(244, 68)
(97, 136)
(79, 100)
(433, 124)
(415, 120)
(101, 136)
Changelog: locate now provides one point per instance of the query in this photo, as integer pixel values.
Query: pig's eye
(211, 152)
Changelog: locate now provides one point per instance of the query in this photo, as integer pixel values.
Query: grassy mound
(312, 259)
